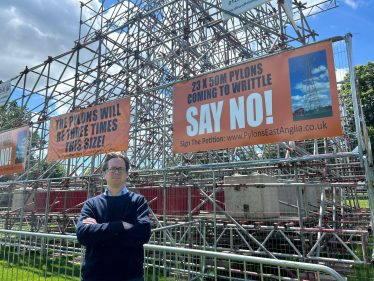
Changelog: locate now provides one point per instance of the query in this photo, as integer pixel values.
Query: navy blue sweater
(113, 253)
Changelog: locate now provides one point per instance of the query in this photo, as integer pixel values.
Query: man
(114, 226)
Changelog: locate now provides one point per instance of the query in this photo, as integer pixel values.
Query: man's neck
(115, 191)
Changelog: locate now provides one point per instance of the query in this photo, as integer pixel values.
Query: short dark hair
(112, 155)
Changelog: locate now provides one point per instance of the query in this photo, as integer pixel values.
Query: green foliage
(30, 265)
(365, 91)
(88, 172)
(362, 272)
(52, 172)
(11, 115)
(365, 88)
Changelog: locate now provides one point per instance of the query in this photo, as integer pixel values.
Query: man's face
(116, 179)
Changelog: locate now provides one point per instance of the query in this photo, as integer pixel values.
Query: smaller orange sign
(13, 149)
(90, 131)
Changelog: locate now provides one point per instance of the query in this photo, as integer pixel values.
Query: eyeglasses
(120, 170)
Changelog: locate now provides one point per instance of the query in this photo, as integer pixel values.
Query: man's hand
(127, 225)
(89, 221)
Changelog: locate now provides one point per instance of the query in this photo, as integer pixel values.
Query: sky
(32, 30)
(354, 16)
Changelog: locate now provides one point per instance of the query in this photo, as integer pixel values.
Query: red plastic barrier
(151, 194)
(177, 201)
(220, 197)
(73, 199)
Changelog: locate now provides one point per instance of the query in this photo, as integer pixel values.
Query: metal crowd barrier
(39, 256)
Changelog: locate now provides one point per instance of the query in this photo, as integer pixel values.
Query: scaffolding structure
(140, 49)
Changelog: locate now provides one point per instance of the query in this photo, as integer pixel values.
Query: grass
(362, 272)
(30, 265)
(325, 112)
(158, 274)
(364, 203)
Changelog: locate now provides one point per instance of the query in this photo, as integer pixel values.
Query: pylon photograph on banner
(310, 86)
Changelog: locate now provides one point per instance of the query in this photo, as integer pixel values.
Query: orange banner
(287, 97)
(90, 131)
(13, 151)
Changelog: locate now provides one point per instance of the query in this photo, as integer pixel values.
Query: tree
(50, 172)
(365, 91)
(13, 116)
(10, 114)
